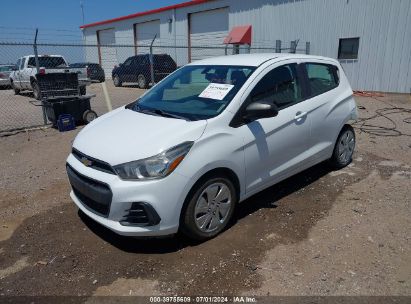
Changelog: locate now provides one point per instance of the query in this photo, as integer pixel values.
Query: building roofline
(150, 12)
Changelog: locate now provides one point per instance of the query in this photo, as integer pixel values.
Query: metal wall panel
(145, 33)
(208, 28)
(108, 54)
(384, 28)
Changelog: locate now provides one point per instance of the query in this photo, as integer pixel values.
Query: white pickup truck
(24, 76)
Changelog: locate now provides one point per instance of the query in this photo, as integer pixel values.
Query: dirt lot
(321, 232)
(18, 111)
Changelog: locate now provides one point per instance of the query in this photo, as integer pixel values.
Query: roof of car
(254, 59)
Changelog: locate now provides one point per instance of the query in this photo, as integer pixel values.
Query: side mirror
(260, 109)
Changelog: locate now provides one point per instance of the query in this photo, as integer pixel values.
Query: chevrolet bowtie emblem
(86, 162)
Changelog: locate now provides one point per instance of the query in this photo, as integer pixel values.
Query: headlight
(154, 167)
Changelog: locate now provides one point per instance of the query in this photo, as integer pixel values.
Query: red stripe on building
(154, 11)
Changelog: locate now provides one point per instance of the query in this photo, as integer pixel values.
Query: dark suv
(136, 69)
(94, 71)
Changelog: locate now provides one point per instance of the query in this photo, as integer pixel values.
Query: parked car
(24, 78)
(136, 69)
(209, 136)
(5, 70)
(94, 71)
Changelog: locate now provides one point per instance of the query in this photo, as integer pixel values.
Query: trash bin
(78, 107)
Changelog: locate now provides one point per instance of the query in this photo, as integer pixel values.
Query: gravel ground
(321, 232)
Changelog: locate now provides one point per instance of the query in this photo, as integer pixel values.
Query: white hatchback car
(208, 136)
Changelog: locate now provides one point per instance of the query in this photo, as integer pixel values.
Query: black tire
(188, 225)
(83, 90)
(117, 81)
(336, 161)
(89, 116)
(36, 90)
(16, 91)
(142, 82)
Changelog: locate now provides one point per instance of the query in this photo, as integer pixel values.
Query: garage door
(208, 28)
(145, 33)
(108, 53)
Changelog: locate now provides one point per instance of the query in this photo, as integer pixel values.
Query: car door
(327, 107)
(275, 148)
(126, 70)
(26, 69)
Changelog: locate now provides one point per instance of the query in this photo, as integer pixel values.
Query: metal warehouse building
(371, 38)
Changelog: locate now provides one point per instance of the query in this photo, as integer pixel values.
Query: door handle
(300, 115)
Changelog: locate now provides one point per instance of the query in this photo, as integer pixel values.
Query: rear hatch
(164, 64)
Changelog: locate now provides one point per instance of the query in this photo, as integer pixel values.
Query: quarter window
(321, 77)
(128, 61)
(280, 85)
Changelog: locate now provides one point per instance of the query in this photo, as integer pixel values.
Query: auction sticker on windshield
(216, 91)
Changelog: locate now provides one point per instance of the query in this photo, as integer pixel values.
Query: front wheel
(16, 91)
(344, 148)
(210, 208)
(116, 80)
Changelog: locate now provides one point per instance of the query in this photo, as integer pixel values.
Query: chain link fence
(111, 74)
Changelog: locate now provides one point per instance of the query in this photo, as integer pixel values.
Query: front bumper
(4, 82)
(165, 197)
(84, 82)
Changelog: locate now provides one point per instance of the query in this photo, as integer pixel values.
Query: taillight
(2, 75)
(88, 72)
(42, 71)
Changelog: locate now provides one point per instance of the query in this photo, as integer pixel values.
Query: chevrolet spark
(207, 137)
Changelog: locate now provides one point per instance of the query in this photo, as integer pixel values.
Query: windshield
(194, 92)
(6, 68)
(48, 62)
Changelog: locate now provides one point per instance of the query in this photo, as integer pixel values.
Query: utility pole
(82, 10)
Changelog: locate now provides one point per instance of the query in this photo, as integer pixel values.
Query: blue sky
(66, 14)
(58, 22)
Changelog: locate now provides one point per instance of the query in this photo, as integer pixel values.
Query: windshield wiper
(159, 112)
(167, 114)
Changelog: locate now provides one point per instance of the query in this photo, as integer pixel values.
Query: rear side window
(47, 62)
(77, 65)
(280, 85)
(128, 61)
(22, 63)
(321, 77)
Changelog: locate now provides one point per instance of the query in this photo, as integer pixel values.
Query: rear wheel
(210, 208)
(117, 81)
(142, 82)
(344, 148)
(36, 90)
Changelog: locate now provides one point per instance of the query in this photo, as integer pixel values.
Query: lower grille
(92, 205)
(140, 214)
(94, 195)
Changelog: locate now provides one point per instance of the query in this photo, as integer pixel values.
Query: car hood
(123, 135)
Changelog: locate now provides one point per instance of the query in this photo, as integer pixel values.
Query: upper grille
(94, 163)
